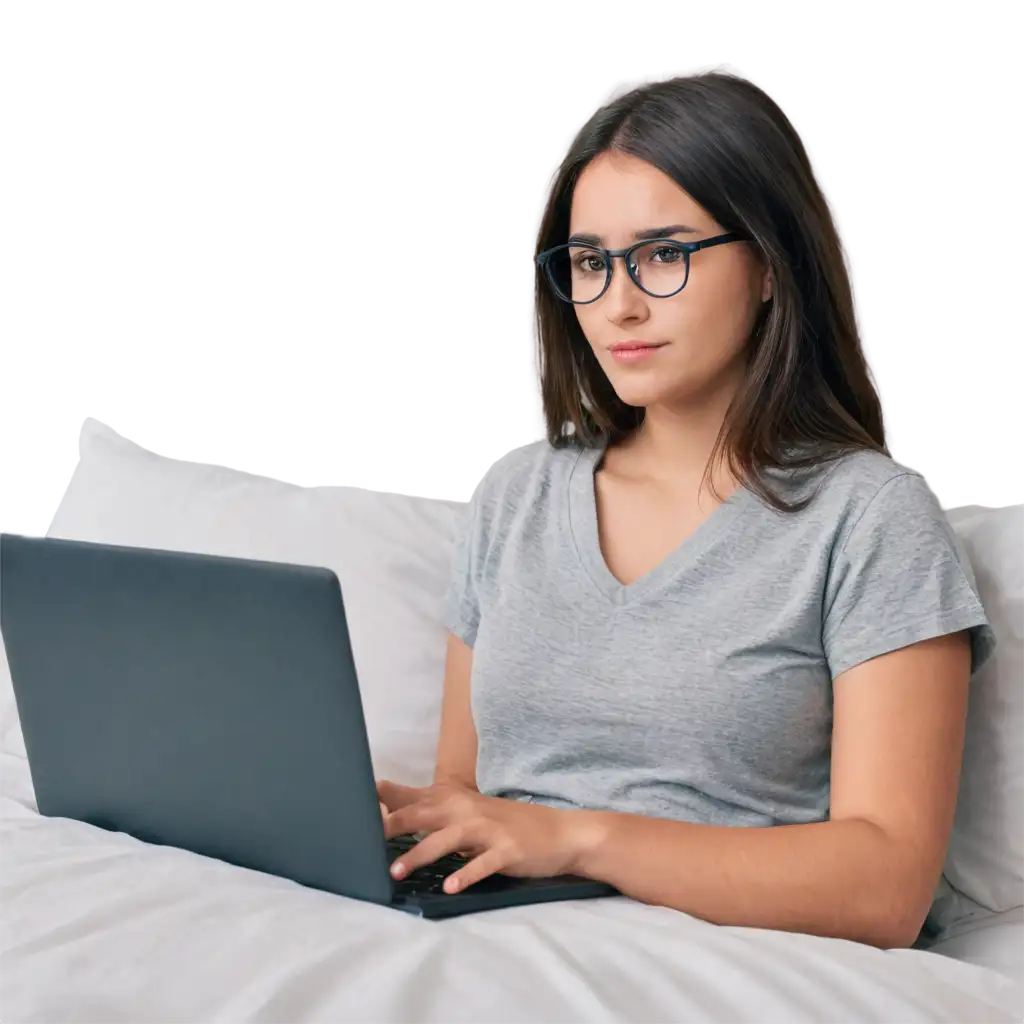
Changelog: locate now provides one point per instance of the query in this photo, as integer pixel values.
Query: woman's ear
(766, 286)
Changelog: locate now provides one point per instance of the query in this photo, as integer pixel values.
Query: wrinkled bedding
(101, 927)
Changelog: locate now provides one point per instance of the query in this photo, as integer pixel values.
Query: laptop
(211, 703)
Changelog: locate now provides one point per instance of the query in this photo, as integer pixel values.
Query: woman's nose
(623, 295)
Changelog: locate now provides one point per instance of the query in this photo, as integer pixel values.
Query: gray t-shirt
(702, 691)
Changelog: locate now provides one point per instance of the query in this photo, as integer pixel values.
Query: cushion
(984, 870)
(416, 448)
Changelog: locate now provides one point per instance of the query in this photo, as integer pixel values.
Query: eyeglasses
(579, 273)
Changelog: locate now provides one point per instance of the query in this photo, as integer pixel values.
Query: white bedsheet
(100, 927)
(996, 941)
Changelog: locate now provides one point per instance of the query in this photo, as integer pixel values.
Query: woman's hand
(495, 834)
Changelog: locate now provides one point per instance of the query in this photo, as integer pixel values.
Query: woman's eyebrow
(671, 229)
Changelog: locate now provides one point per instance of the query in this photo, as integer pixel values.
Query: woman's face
(706, 325)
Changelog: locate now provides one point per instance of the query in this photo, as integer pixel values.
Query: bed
(97, 926)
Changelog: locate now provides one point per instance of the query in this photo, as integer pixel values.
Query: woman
(720, 640)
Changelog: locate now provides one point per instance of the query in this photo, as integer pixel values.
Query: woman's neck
(672, 449)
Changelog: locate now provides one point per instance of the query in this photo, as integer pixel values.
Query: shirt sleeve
(901, 576)
(461, 613)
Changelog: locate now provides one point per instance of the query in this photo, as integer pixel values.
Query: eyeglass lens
(578, 272)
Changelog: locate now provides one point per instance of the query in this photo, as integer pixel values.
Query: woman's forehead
(613, 202)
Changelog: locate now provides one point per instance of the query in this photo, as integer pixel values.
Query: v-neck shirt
(583, 522)
(702, 690)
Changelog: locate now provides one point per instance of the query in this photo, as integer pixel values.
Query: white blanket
(100, 927)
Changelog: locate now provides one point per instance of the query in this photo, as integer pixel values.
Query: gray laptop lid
(198, 701)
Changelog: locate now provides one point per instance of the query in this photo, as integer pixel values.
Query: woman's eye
(586, 263)
(672, 251)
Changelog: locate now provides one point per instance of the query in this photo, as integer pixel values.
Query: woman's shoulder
(864, 489)
(867, 470)
(521, 476)
(835, 490)
(867, 476)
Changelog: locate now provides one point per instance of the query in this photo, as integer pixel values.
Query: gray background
(310, 211)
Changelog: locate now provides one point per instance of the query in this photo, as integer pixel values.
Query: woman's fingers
(488, 863)
(436, 844)
(395, 796)
(410, 820)
(383, 811)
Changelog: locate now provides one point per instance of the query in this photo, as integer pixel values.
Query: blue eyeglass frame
(542, 259)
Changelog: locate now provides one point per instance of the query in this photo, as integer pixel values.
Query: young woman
(720, 641)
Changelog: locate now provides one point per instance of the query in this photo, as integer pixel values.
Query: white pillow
(391, 553)
(415, 448)
(98, 459)
(985, 860)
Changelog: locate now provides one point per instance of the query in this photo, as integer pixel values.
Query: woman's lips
(632, 355)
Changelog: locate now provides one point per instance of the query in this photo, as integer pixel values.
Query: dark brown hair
(807, 396)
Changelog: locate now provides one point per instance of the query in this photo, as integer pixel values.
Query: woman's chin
(637, 393)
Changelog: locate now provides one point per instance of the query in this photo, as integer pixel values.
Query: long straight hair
(807, 395)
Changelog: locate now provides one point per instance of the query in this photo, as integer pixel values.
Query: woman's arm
(868, 873)
(456, 747)
(457, 742)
